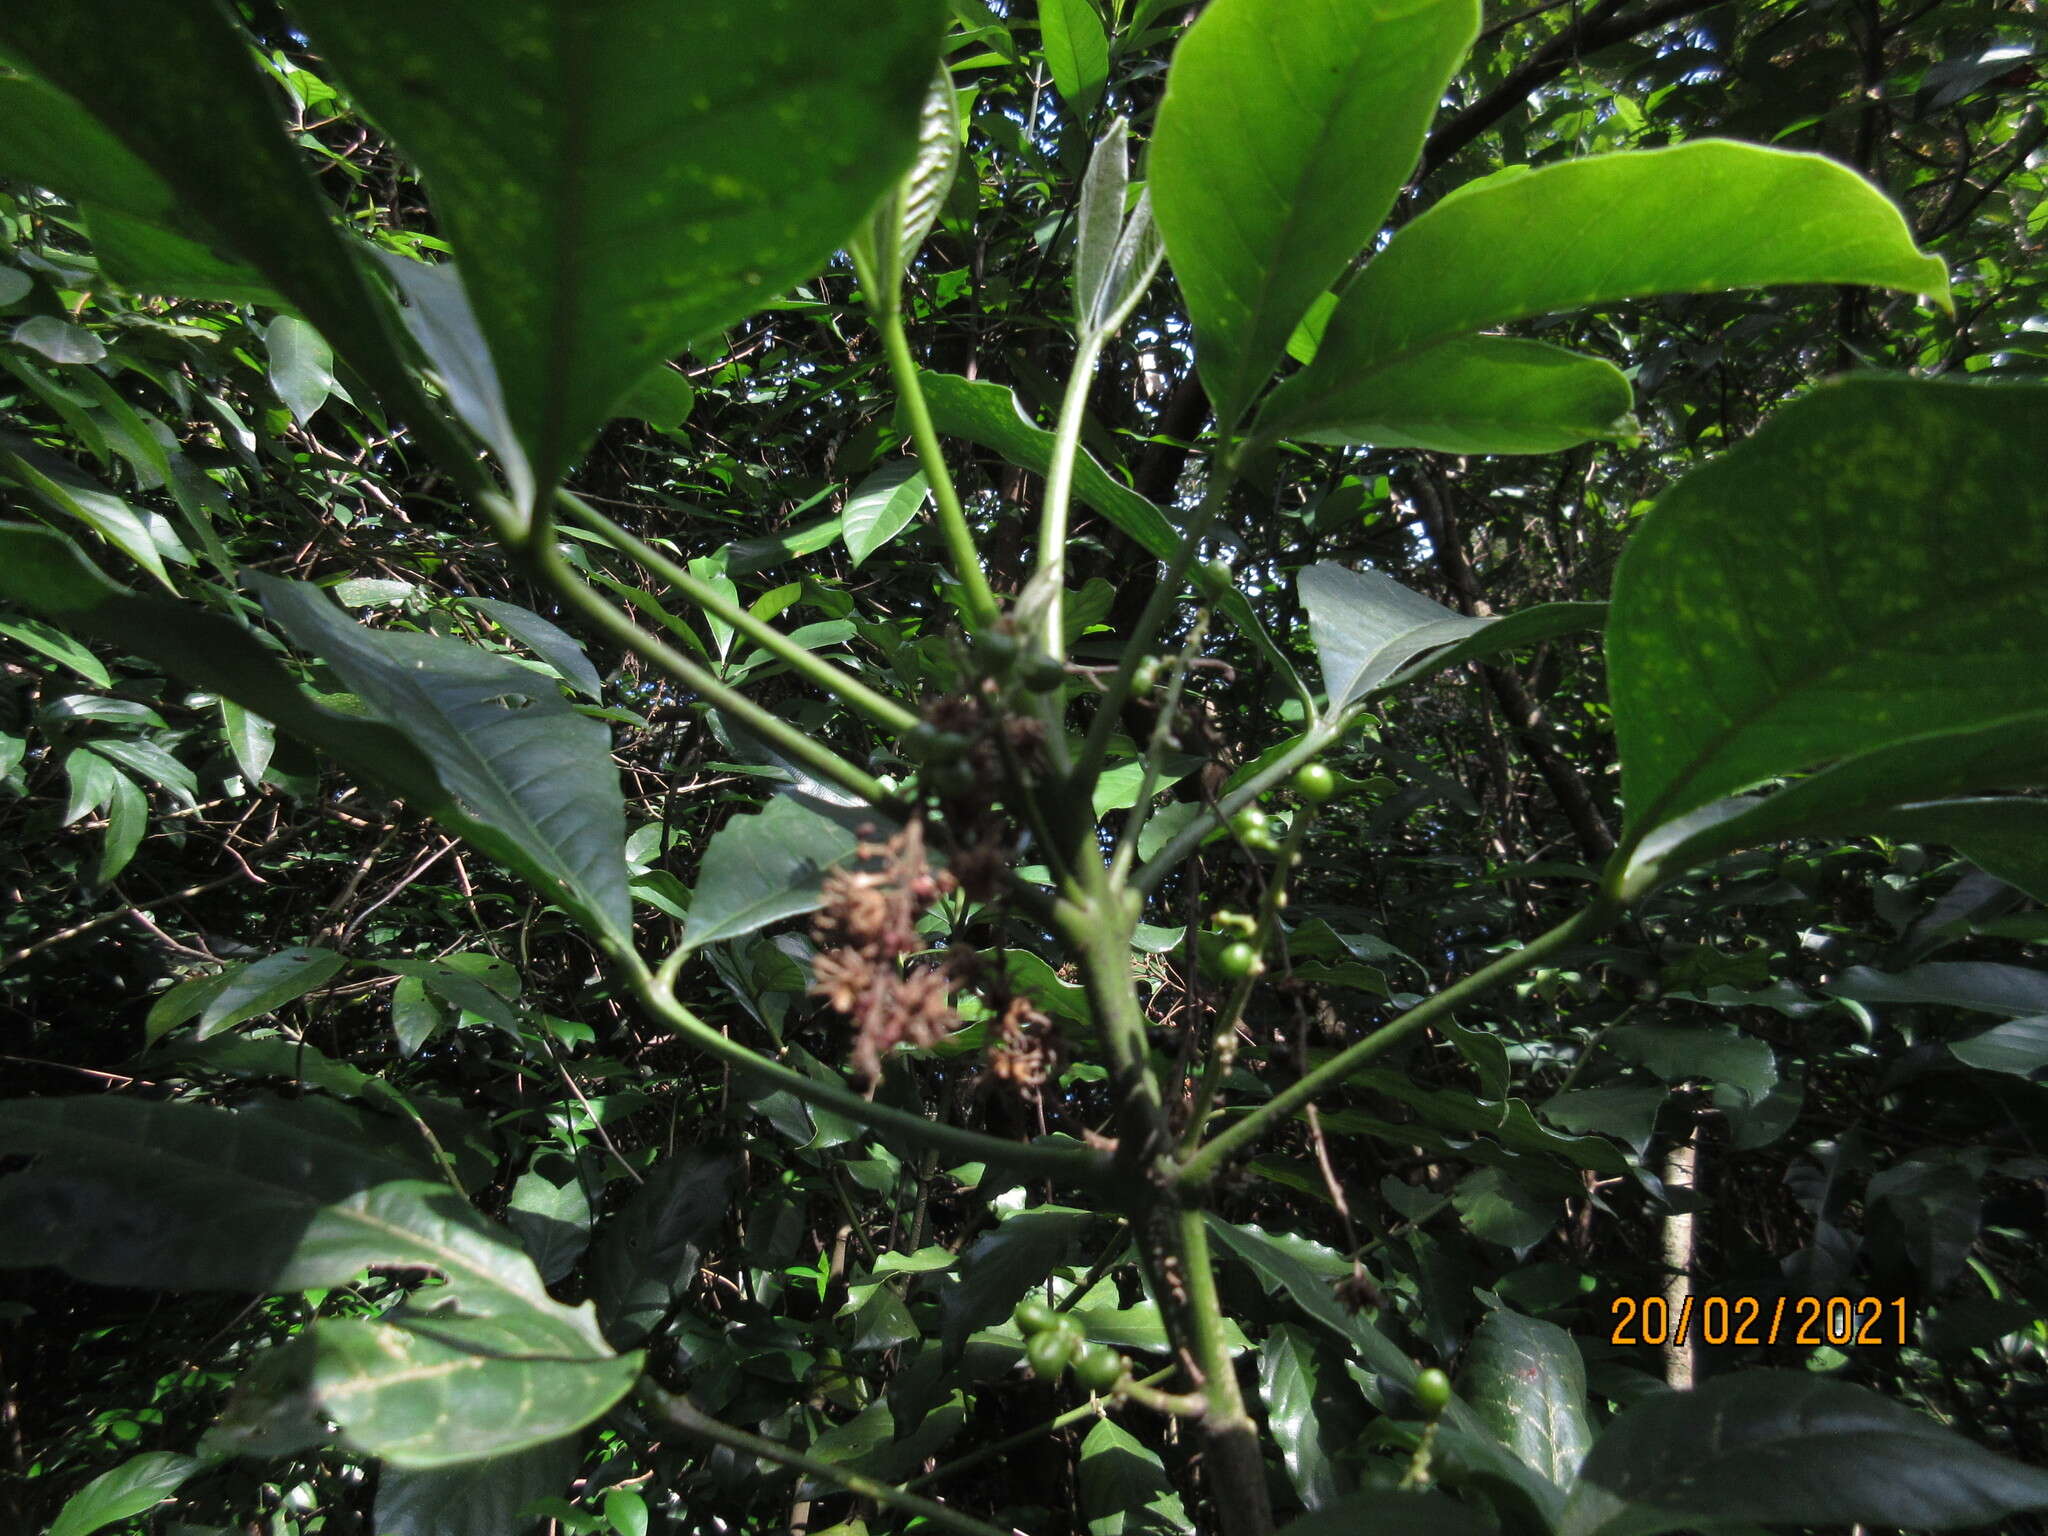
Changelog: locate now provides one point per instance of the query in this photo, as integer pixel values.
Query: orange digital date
(1811, 1320)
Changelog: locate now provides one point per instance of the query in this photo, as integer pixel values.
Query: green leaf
(1367, 626)
(138, 1485)
(2005, 836)
(1525, 1381)
(1076, 51)
(1280, 1264)
(548, 641)
(1496, 1207)
(663, 399)
(882, 506)
(415, 1016)
(1720, 1053)
(251, 738)
(2019, 1046)
(56, 645)
(1285, 133)
(266, 985)
(146, 256)
(513, 752)
(476, 1498)
(763, 867)
(1483, 394)
(647, 1254)
(999, 1267)
(618, 182)
(428, 1389)
(127, 822)
(1124, 1487)
(59, 341)
(885, 247)
(1787, 1448)
(1861, 573)
(141, 536)
(1099, 220)
(301, 366)
(1690, 219)
(1980, 985)
(1287, 1385)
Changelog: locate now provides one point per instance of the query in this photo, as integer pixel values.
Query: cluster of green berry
(1313, 784)
(1056, 1341)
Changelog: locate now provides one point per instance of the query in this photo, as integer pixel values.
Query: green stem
(800, 745)
(1184, 842)
(805, 662)
(1109, 711)
(1235, 1467)
(1223, 1043)
(685, 1416)
(1155, 753)
(1205, 1163)
(1059, 492)
(1076, 1165)
(981, 602)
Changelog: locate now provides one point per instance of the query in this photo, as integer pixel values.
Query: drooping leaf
(1689, 219)
(881, 507)
(1124, 1487)
(58, 341)
(1278, 1266)
(1099, 220)
(616, 182)
(1982, 986)
(2005, 836)
(763, 867)
(127, 822)
(1788, 1448)
(1720, 1053)
(301, 366)
(999, 1267)
(1857, 577)
(549, 1208)
(141, 535)
(139, 1484)
(1285, 133)
(1525, 1380)
(1288, 1385)
(251, 738)
(511, 750)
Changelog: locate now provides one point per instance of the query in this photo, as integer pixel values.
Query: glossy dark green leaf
(881, 507)
(765, 866)
(1497, 1208)
(647, 1253)
(1288, 1386)
(1525, 1380)
(1280, 1265)
(1720, 1053)
(55, 644)
(1124, 1487)
(2019, 1046)
(548, 641)
(1787, 1448)
(477, 1498)
(510, 749)
(58, 341)
(1859, 574)
(2005, 835)
(1285, 133)
(1482, 394)
(127, 822)
(617, 182)
(663, 399)
(263, 986)
(140, 535)
(885, 247)
(1983, 986)
(1689, 219)
(999, 1267)
(549, 1208)
(139, 1484)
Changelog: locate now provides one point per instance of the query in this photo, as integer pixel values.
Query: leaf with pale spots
(1858, 585)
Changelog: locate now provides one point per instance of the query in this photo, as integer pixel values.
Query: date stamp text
(1840, 1321)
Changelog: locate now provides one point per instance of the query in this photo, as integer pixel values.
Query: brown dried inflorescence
(866, 926)
(1023, 1048)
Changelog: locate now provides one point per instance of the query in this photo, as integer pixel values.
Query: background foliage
(1849, 1027)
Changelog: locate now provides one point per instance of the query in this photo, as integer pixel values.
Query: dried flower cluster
(981, 837)
(866, 926)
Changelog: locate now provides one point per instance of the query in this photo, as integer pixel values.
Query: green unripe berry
(1145, 675)
(1250, 822)
(1314, 782)
(1432, 1391)
(997, 651)
(1098, 1369)
(1048, 1353)
(1033, 1315)
(1237, 961)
